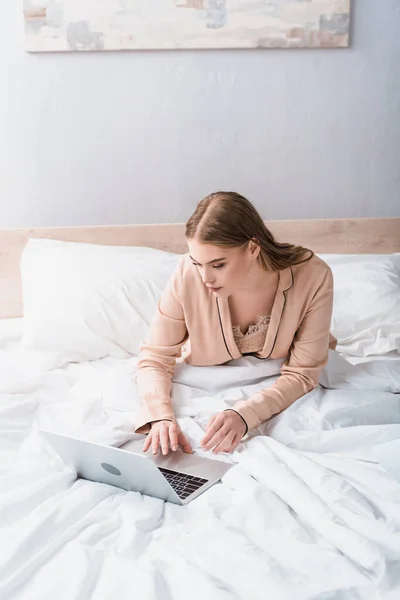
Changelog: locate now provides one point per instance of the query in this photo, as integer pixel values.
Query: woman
(237, 292)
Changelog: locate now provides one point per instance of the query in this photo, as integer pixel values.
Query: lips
(214, 289)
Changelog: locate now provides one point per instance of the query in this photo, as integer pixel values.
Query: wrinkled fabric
(306, 512)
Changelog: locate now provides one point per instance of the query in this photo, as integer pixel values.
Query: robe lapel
(285, 282)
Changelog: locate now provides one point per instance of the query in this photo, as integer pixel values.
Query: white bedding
(305, 513)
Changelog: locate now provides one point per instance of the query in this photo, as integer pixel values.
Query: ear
(254, 248)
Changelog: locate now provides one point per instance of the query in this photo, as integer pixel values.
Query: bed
(306, 513)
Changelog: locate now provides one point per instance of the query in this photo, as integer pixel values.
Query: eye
(214, 266)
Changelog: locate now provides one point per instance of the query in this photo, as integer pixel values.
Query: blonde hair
(227, 219)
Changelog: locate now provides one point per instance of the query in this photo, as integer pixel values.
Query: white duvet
(305, 513)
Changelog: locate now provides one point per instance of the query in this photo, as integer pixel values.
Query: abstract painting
(71, 25)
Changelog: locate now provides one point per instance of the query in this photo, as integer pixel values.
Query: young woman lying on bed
(237, 292)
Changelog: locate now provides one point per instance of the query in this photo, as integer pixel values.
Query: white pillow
(366, 311)
(87, 301)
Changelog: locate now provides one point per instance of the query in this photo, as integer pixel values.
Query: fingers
(224, 433)
(184, 444)
(228, 444)
(219, 435)
(164, 439)
(155, 440)
(165, 434)
(216, 424)
(147, 442)
(211, 421)
(173, 436)
(217, 438)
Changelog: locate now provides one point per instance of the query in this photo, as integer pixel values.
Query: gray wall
(140, 137)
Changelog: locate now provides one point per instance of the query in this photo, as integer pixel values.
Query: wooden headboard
(340, 236)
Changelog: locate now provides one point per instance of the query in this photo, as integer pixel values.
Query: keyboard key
(182, 483)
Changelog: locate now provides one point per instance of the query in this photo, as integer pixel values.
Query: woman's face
(224, 270)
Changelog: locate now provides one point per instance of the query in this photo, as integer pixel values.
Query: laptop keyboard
(182, 483)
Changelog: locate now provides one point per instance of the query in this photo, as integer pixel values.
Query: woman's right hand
(166, 435)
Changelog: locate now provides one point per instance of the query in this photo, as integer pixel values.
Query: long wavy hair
(227, 219)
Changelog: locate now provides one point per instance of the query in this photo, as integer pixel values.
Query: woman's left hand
(224, 432)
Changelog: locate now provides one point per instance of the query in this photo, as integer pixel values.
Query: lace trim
(254, 338)
(261, 324)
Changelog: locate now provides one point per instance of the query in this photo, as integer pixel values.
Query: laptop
(176, 478)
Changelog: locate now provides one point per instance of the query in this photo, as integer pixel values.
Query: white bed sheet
(305, 513)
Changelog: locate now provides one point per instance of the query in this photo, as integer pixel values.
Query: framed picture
(82, 25)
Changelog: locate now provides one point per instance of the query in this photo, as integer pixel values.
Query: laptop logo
(110, 469)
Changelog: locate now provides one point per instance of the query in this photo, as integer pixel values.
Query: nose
(208, 277)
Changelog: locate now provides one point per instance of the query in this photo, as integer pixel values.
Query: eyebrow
(209, 263)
